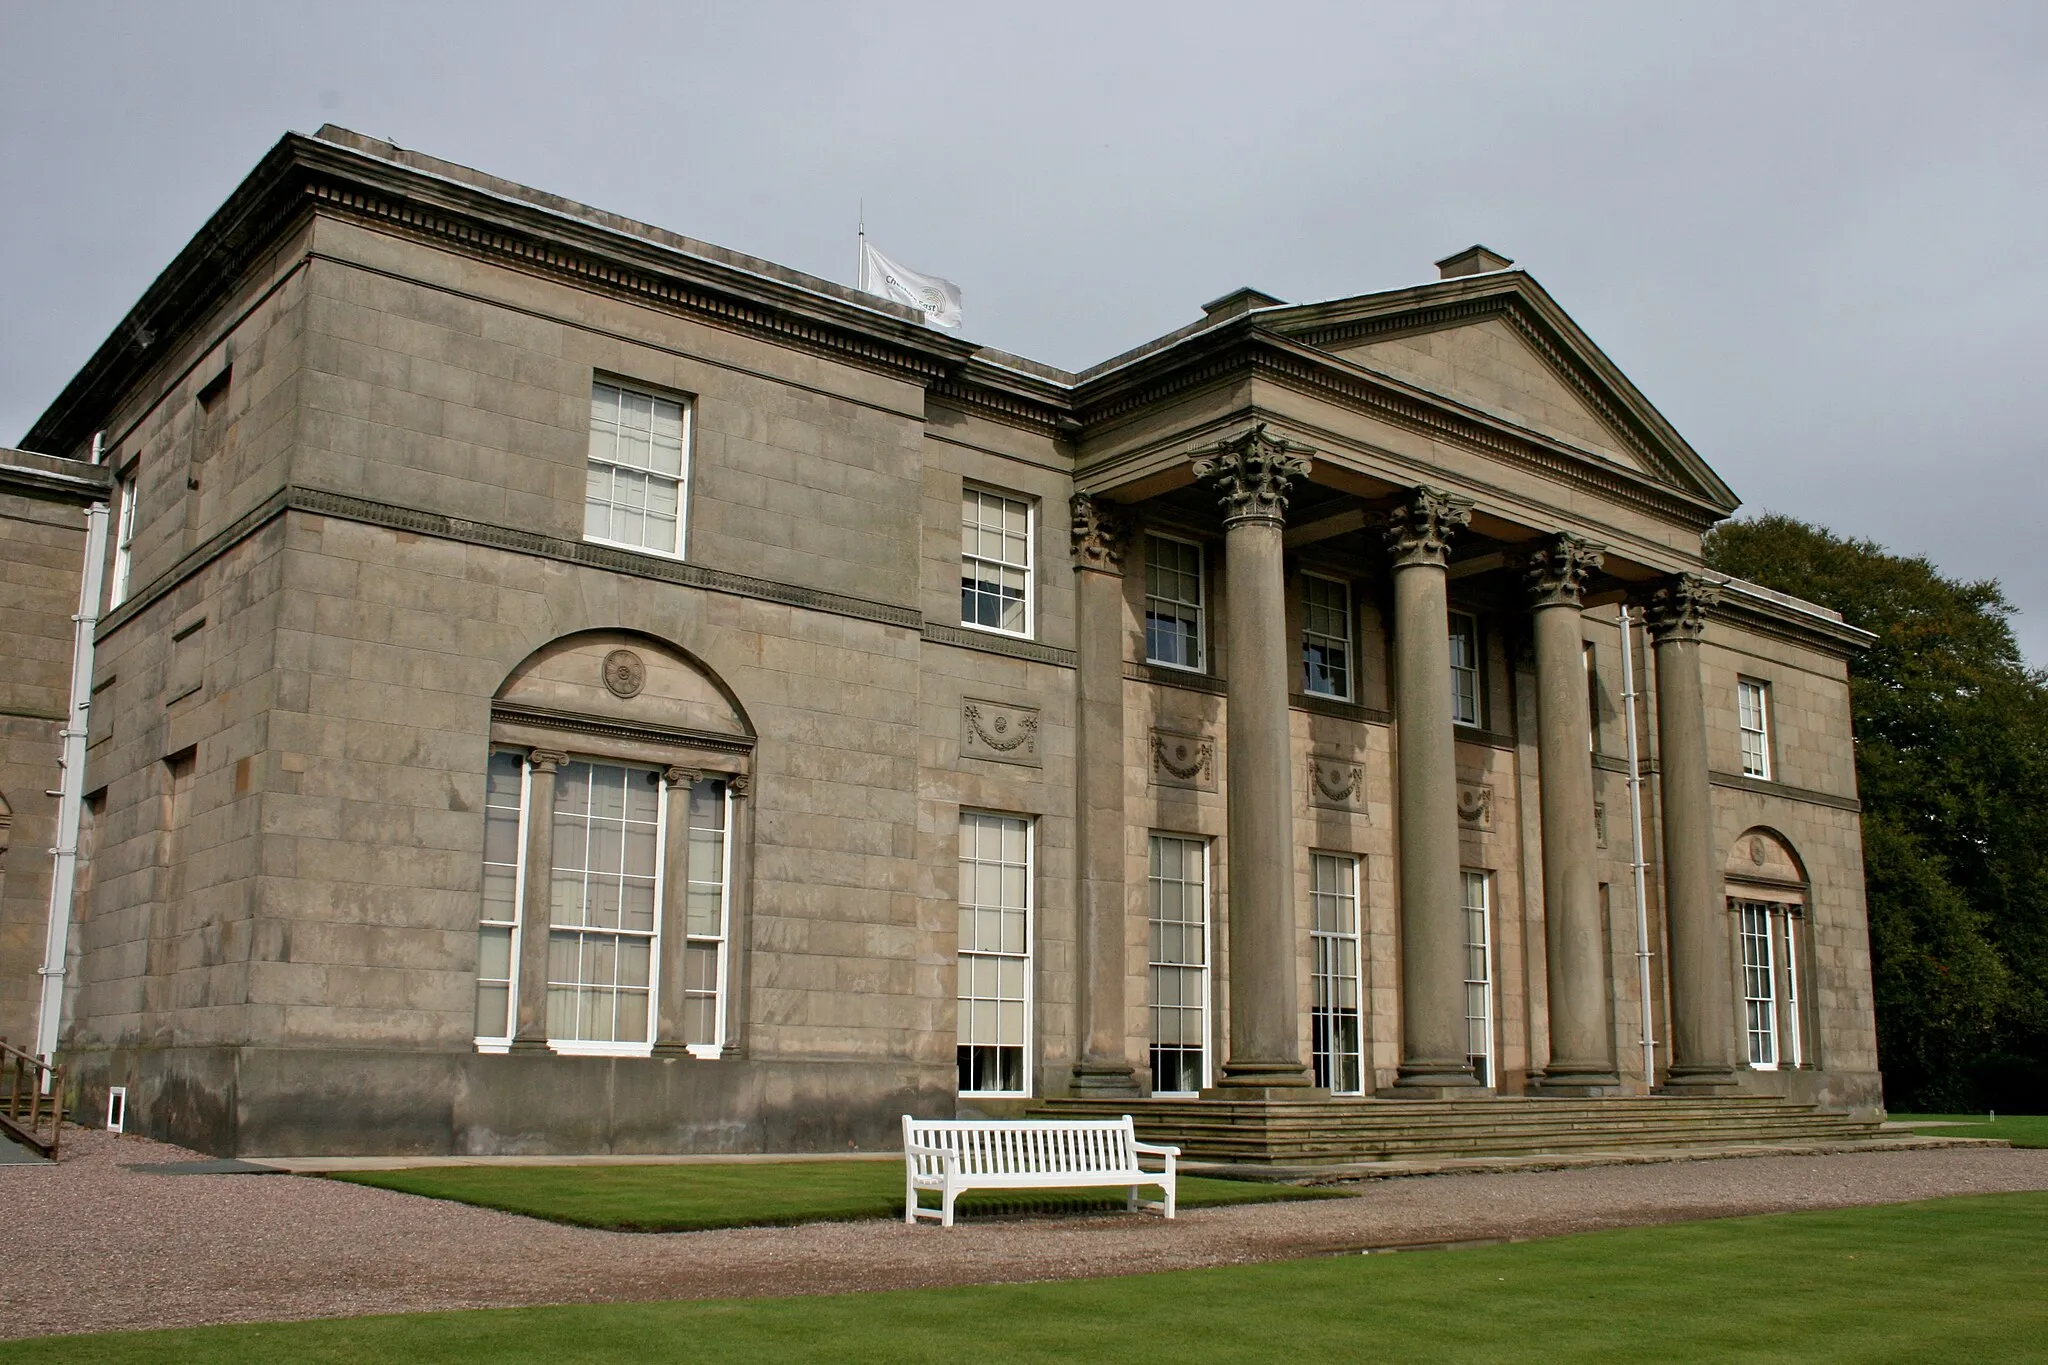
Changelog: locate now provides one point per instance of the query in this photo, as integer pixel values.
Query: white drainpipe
(1635, 835)
(71, 786)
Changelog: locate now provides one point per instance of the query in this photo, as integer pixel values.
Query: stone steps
(1321, 1132)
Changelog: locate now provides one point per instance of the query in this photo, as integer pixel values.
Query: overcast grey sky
(1811, 233)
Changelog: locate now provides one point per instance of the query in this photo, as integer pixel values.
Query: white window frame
(502, 1042)
(1476, 673)
(1795, 1033)
(1759, 967)
(1325, 946)
(124, 540)
(1311, 637)
(1204, 971)
(1592, 699)
(1484, 881)
(1029, 567)
(604, 1047)
(1200, 604)
(1029, 956)
(722, 977)
(1753, 719)
(684, 476)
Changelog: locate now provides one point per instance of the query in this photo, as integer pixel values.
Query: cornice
(1009, 396)
(1746, 609)
(301, 174)
(320, 502)
(576, 722)
(639, 273)
(1246, 350)
(1547, 329)
(49, 478)
(1756, 786)
(960, 637)
(1175, 677)
(1511, 309)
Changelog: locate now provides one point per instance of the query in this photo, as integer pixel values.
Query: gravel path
(94, 1247)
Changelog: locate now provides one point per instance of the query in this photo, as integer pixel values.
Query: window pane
(1479, 976)
(995, 561)
(994, 962)
(1178, 932)
(1173, 602)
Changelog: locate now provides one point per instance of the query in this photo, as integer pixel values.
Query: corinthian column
(1251, 473)
(1702, 1006)
(536, 906)
(1104, 1066)
(1581, 1033)
(1434, 1057)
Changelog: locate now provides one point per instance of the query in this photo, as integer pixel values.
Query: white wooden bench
(948, 1156)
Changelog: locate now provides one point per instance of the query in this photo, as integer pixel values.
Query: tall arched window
(613, 794)
(1767, 903)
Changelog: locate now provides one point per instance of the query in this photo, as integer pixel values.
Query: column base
(1699, 1081)
(670, 1050)
(529, 1045)
(1244, 1093)
(1433, 1080)
(1264, 1076)
(1577, 1083)
(1103, 1078)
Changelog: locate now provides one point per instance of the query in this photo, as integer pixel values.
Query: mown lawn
(2021, 1130)
(697, 1196)
(1948, 1280)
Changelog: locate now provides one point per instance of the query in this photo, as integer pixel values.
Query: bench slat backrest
(987, 1147)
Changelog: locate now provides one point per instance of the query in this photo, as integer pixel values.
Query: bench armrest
(1154, 1149)
(946, 1154)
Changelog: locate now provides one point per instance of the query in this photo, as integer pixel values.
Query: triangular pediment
(1488, 366)
(1498, 344)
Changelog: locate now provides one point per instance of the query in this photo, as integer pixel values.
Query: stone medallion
(624, 674)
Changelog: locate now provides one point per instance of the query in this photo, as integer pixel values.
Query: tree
(1952, 763)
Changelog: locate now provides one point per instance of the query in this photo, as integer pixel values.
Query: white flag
(937, 299)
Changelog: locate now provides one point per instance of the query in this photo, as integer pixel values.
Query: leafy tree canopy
(1952, 763)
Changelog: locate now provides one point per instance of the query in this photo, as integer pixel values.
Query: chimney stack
(1473, 260)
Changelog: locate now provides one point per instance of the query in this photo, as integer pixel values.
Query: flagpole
(861, 269)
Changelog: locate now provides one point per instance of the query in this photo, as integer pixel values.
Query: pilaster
(536, 902)
(1099, 534)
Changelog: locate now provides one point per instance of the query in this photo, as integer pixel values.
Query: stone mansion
(559, 686)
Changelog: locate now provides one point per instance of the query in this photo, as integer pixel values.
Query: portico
(1407, 545)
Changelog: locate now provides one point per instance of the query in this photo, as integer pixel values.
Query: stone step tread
(1338, 1173)
(1536, 1143)
(1614, 1130)
(1399, 1130)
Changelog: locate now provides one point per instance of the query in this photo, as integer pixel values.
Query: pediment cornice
(1528, 309)
(302, 176)
(1247, 350)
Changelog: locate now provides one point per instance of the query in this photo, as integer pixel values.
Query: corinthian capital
(1678, 609)
(1419, 531)
(1251, 472)
(1559, 569)
(1099, 532)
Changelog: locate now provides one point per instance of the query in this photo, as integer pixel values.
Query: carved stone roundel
(624, 674)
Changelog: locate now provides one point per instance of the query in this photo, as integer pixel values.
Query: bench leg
(950, 1195)
(909, 1202)
(1131, 1200)
(1170, 1192)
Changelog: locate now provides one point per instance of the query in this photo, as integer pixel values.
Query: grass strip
(2021, 1130)
(701, 1196)
(1945, 1280)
